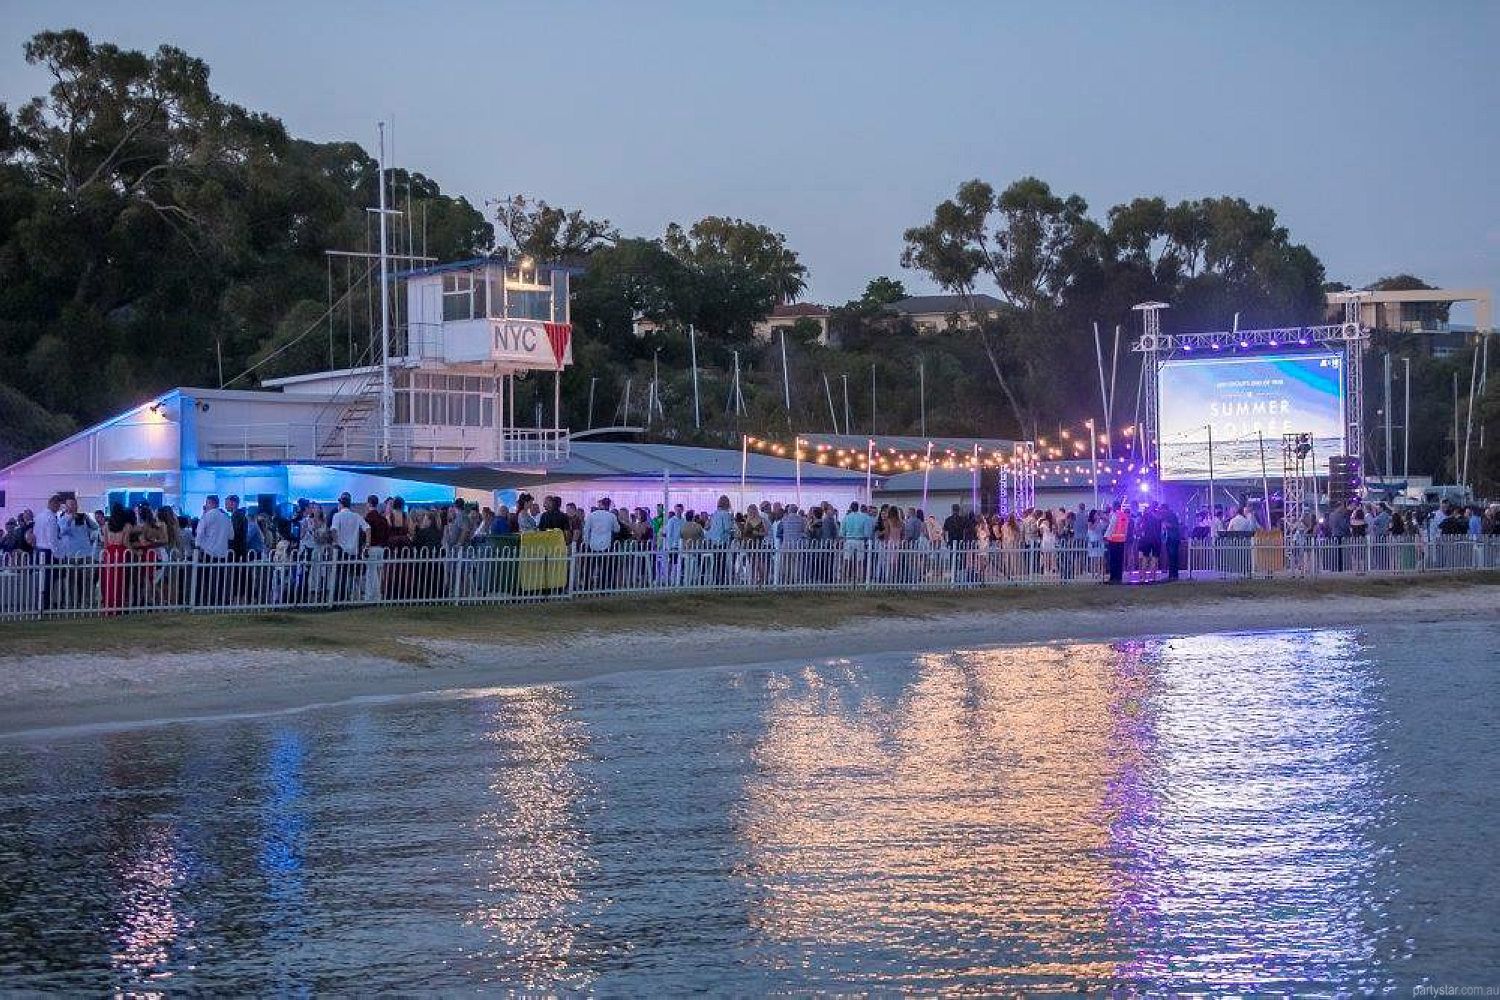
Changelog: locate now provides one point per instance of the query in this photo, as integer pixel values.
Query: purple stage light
(1275, 343)
(1244, 343)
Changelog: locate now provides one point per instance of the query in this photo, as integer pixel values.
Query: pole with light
(1094, 458)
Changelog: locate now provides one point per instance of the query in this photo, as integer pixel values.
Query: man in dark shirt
(240, 526)
(552, 516)
(954, 526)
(380, 528)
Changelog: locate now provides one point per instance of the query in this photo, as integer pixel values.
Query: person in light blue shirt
(858, 525)
(721, 524)
(857, 528)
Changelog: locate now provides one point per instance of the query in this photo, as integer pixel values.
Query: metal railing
(120, 582)
(329, 441)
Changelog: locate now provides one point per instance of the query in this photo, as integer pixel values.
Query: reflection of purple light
(1244, 343)
(1303, 341)
(1187, 347)
(1275, 344)
(1216, 347)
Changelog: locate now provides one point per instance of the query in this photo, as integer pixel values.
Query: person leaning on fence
(211, 538)
(44, 546)
(1171, 541)
(349, 534)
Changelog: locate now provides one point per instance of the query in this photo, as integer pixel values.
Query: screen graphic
(1272, 394)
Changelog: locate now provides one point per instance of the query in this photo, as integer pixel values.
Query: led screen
(1240, 396)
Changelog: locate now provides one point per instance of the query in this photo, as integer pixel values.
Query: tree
(148, 226)
(720, 244)
(1029, 243)
(545, 232)
(736, 272)
(883, 291)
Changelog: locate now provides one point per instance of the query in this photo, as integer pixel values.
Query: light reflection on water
(1208, 813)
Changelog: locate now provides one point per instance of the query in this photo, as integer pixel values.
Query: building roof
(338, 373)
(897, 442)
(923, 305)
(796, 310)
(498, 260)
(605, 460)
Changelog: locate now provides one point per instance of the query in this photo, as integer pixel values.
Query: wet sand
(53, 691)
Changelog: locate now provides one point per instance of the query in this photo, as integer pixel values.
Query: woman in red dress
(118, 532)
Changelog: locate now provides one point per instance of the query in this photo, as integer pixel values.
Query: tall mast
(385, 319)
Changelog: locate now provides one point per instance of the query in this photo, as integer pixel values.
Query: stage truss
(1348, 337)
(1295, 449)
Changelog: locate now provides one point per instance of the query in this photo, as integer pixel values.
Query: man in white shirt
(212, 537)
(1242, 521)
(349, 531)
(45, 538)
(214, 530)
(599, 527)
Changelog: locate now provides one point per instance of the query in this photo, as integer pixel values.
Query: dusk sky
(1369, 127)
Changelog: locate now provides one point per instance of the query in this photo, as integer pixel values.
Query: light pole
(1094, 458)
(845, 377)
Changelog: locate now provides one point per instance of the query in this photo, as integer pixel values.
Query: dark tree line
(153, 234)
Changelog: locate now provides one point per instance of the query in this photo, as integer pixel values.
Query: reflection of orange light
(964, 786)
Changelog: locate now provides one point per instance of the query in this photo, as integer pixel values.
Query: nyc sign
(531, 343)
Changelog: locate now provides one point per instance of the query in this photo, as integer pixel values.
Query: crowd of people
(385, 550)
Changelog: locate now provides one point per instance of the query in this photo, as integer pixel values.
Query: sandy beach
(58, 690)
(45, 691)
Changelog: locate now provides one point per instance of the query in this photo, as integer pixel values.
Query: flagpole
(693, 348)
(1093, 438)
(926, 474)
(870, 471)
(744, 463)
(797, 456)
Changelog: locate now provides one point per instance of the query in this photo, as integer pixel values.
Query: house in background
(787, 315)
(1422, 311)
(934, 313)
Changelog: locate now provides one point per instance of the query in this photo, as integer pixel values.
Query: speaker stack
(1343, 479)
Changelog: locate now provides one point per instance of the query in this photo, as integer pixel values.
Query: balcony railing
(330, 442)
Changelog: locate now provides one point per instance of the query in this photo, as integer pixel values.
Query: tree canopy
(154, 234)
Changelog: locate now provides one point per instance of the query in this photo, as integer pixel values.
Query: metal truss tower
(1356, 339)
(1151, 346)
(1294, 451)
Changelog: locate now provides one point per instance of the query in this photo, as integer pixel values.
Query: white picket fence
(323, 579)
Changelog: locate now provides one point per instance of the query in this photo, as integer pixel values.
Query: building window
(465, 296)
(528, 304)
(431, 400)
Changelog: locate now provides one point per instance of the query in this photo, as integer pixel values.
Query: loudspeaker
(989, 490)
(1343, 478)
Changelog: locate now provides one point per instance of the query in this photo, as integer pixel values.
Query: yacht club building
(437, 421)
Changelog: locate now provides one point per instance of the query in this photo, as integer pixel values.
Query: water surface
(1306, 811)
